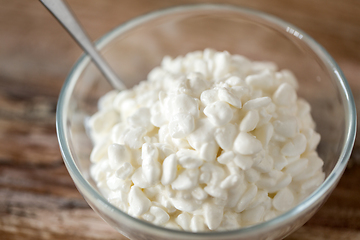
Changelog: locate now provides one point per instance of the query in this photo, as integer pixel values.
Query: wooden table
(38, 199)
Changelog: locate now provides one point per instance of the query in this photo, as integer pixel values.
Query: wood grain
(38, 199)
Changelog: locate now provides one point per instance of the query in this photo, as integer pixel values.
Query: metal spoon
(63, 14)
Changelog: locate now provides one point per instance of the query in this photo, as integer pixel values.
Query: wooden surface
(38, 199)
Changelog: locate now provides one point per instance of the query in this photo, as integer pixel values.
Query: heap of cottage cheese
(210, 141)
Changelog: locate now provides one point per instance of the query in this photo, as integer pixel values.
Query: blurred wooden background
(38, 199)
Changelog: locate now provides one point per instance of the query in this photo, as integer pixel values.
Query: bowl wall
(136, 47)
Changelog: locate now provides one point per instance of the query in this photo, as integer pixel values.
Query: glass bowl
(134, 48)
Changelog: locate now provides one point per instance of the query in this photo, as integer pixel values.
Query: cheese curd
(210, 141)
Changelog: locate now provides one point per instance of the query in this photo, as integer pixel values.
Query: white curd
(210, 141)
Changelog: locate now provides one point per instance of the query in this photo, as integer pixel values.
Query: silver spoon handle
(63, 14)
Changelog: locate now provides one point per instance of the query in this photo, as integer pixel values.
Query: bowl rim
(311, 200)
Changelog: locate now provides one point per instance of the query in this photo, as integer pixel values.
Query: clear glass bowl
(134, 48)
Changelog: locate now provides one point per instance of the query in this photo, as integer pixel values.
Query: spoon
(63, 14)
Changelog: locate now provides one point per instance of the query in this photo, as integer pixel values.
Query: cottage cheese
(211, 141)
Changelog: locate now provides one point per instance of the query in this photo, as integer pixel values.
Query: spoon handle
(63, 14)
